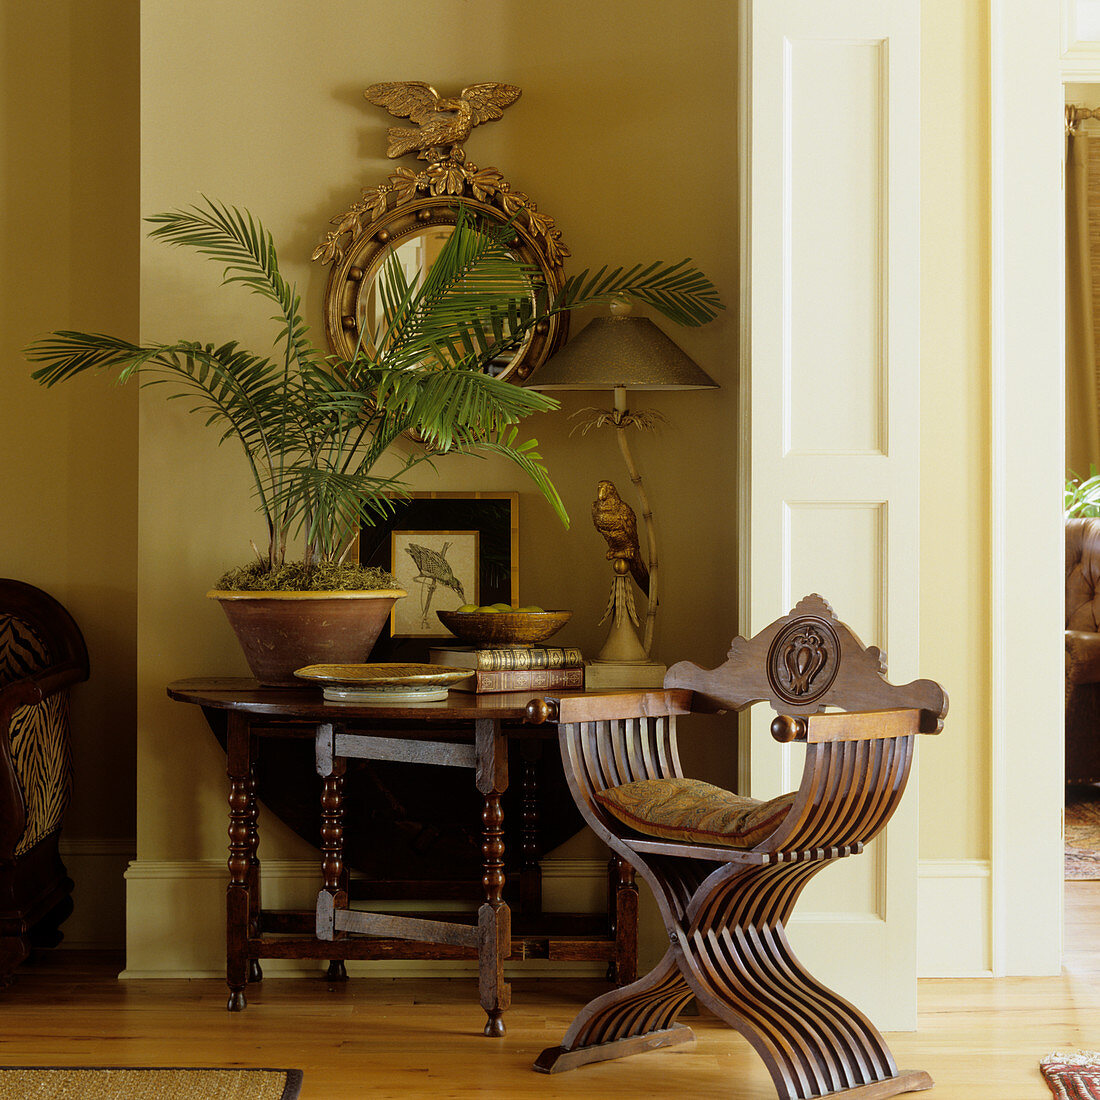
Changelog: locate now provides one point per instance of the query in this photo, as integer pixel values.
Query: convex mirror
(412, 213)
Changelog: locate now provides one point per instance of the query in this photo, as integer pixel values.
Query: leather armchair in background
(1082, 650)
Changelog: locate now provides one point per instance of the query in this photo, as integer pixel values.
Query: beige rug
(1083, 833)
(34, 1083)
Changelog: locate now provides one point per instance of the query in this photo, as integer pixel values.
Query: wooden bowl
(504, 628)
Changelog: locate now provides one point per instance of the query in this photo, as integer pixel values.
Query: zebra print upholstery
(42, 654)
(22, 651)
(40, 745)
(42, 754)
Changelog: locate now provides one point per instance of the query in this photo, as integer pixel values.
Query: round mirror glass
(415, 232)
(416, 252)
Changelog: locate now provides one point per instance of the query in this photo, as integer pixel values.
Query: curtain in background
(1082, 410)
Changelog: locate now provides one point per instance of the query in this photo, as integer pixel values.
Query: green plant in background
(315, 427)
(1082, 498)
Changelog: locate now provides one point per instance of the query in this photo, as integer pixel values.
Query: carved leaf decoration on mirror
(447, 174)
(447, 178)
(403, 185)
(485, 184)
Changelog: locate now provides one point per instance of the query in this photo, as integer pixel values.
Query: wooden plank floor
(980, 1039)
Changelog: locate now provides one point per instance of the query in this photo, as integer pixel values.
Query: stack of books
(514, 668)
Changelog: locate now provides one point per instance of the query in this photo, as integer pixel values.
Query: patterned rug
(1083, 832)
(1073, 1076)
(39, 1083)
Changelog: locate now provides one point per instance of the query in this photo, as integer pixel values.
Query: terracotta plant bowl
(486, 629)
(283, 631)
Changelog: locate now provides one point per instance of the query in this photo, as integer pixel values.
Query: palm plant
(1082, 496)
(313, 427)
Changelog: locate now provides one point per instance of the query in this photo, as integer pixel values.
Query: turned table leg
(530, 874)
(334, 874)
(494, 919)
(337, 968)
(255, 972)
(243, 842)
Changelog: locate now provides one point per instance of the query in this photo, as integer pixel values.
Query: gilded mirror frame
(409, 201)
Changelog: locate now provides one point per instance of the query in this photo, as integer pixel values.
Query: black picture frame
(495, 518)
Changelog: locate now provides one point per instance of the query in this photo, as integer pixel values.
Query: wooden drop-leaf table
(467, 731)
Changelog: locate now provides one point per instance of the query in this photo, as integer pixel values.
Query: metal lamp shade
(621, 352)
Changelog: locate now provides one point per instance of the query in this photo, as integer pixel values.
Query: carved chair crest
(801, 664)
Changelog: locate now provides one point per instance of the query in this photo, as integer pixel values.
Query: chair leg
(47, 932)
(737, 959)
(13, 950)
(629, 1020)
(813, 1042)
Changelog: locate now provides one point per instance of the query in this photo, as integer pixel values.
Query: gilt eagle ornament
(615, 520)
(442, 124)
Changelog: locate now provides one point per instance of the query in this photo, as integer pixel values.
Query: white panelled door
(830, 385)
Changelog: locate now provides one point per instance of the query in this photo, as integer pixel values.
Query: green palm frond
(67, 354)
(235, 388)
(324, 504)
(477, 304)
(522, 453)
(473, 285)
(678, 291)
(236, 239)
(440, 405)
(314, 429)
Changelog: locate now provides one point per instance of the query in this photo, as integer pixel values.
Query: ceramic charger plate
(383, 683)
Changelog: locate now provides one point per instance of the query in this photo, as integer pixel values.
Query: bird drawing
(442, 124)
(615, 520)
(433, 570)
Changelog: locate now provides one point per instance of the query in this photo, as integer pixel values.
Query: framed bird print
(447, 550)
(439, 570)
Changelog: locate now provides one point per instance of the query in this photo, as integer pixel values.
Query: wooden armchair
(725, 870)
(42, 653)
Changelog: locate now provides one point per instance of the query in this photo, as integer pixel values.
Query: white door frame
(1027, 466)
(1028, 461)
(830, 98)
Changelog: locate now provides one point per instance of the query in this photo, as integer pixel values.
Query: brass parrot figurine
(615, 520)
(443, 124)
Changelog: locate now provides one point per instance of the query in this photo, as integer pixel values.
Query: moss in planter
(295, 577)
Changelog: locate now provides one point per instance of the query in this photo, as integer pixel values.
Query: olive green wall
(68, 457)
(625, 134)
(261, 106)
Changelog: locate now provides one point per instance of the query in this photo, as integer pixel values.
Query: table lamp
(622, 352)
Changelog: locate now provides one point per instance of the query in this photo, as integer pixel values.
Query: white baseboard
(176, 919)
(177, 909)
(954, 918)
(97, 866)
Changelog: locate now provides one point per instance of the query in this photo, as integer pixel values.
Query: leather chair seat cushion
(693, 811)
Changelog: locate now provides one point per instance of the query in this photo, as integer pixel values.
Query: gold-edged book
(530, 679)
(507, 658)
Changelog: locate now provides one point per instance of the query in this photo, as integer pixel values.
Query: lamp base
(619, 675)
